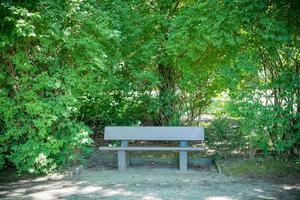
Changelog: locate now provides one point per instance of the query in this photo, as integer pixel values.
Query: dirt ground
(149, 183)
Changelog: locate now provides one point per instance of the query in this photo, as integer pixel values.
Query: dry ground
(146, 182)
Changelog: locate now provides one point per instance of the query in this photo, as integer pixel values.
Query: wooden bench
(181, 134)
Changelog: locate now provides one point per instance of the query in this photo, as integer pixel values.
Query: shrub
(224, 136)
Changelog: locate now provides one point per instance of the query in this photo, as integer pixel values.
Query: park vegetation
(70, 67)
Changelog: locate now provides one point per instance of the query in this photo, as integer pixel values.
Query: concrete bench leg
(122, 157)
(183, 157)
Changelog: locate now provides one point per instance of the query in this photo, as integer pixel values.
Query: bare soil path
(148, 183)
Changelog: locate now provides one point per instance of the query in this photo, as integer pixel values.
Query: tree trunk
(166, 95)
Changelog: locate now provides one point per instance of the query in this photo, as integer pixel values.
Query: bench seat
(152, 149)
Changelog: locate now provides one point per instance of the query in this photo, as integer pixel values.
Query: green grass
(261, 167)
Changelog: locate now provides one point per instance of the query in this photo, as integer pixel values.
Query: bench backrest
(154, 133)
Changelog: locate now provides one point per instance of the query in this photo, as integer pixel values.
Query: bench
(152, 133)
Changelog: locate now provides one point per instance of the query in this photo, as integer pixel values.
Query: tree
(69, 68)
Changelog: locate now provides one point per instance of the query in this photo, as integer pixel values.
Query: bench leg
(122, 161)
(183, 160)
(183, 157)
(122, 157)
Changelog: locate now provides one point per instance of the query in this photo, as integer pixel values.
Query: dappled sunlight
(112, 192)
(64, 189)
(53, 193)
(150, 197)
(266, 197)
(219, 198)
(258, 190)
(291, 187)
(147, 184)
(150, 100)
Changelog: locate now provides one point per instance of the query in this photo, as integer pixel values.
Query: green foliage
(267, 75)
(45, 77)
(223, 136)
(69, 68)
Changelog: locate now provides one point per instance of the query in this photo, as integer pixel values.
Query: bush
(43, 82)
(224, 136)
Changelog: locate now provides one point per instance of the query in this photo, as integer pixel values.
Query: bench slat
(152, 149)
(154, 133)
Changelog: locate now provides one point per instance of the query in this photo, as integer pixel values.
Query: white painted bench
(152, 133)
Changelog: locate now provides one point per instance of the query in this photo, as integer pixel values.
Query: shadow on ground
(148, 183)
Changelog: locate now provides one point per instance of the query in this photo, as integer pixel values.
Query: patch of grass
(261, 166)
